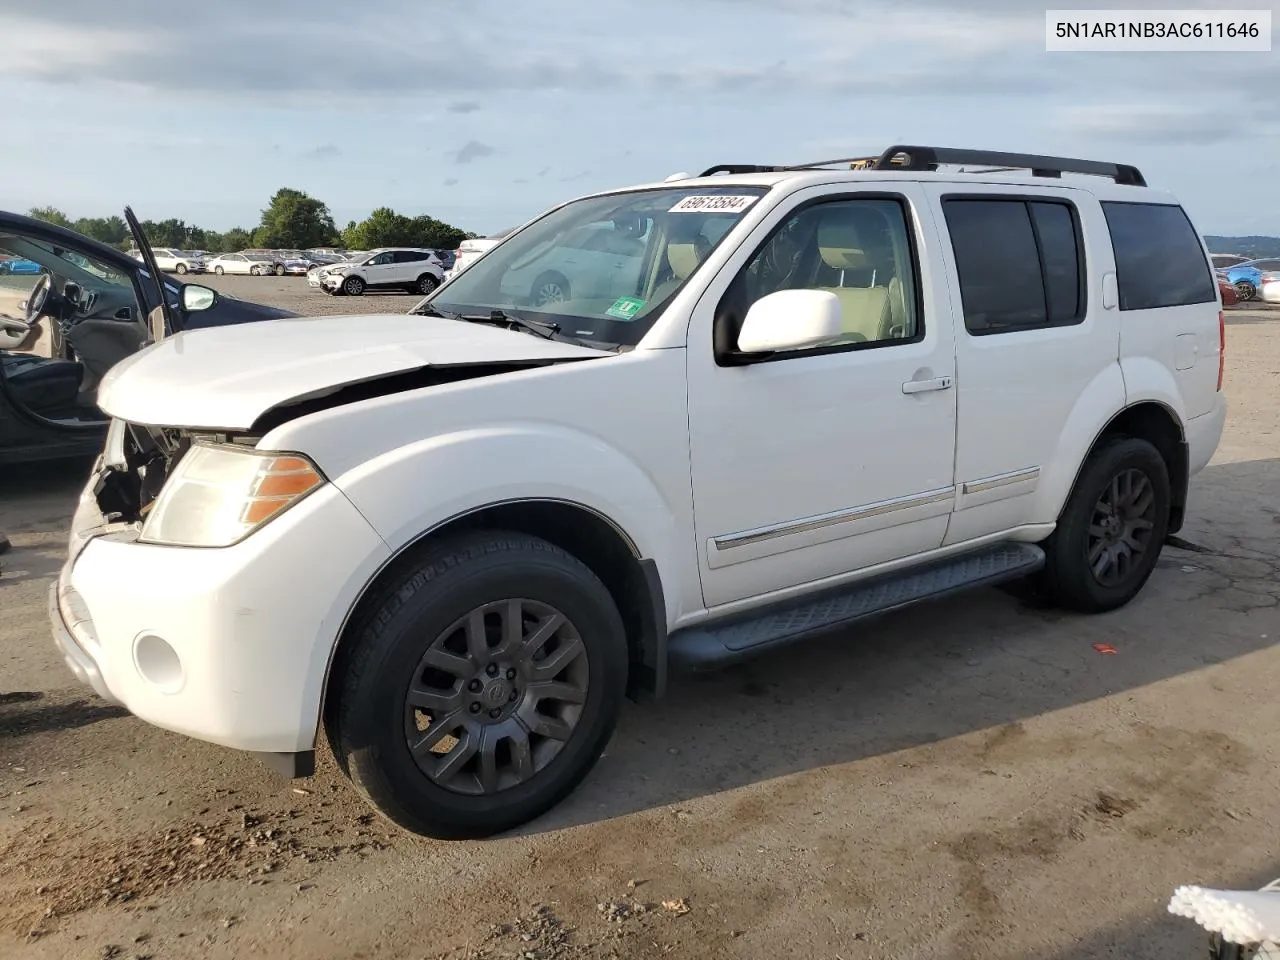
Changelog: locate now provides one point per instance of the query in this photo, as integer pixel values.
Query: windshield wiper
(499, 318)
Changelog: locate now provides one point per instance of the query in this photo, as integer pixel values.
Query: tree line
(292, 221)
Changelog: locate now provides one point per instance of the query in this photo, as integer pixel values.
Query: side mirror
(196, 298)
(791, 320)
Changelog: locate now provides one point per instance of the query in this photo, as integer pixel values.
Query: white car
(411, 269)
(454, 541)
(1269, 287)
(171, 260)
(241, 263)
(471, 250)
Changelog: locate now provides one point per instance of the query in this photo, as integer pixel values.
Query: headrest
(684, 258)
(839, 244)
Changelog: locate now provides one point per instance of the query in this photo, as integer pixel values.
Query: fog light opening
(158, 663)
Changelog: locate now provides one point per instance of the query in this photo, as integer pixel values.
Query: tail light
(1222, 346)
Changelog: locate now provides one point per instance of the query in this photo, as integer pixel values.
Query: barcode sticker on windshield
(713, 203)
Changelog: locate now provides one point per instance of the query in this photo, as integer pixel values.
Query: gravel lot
(966, 779)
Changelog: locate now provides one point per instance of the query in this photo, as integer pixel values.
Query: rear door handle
(924, 386)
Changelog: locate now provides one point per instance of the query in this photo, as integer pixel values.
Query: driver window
(379, 260)
(858, 250)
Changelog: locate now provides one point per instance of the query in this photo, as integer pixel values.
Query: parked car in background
(412, 269)
(1247, 276)
(1269, 287)
(171, 260)
(18, 266)
(297, 266)
(315, 274)
(446, 258)
(256, 265)
(1227, 290)
(471, 250)
(65, 322)
(1221, 261)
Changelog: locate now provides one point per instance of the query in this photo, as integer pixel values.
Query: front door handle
(924, 386)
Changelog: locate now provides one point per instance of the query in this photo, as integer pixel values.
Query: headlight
(336, 270)
(218, 495)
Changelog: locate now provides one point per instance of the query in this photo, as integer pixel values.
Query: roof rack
(902, 157)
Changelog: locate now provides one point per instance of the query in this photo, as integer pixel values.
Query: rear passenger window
(1019, 262)
(1159, 260)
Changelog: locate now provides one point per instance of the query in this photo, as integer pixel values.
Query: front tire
(353, 286)
(1112, 529)
(479, 687)
(279, 270)
(218, 271)
(180, 269)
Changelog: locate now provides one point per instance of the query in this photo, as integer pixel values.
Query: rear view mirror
(791, 320)
(196, 298)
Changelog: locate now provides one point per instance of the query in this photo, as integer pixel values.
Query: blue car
(1247, 277)
(17, 265)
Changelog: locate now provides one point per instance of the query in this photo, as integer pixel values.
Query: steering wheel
(39, 298)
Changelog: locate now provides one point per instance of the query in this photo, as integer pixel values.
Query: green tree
(386, 228)
(237, 238)
(50, 215)
(295, 221)
(112, 230)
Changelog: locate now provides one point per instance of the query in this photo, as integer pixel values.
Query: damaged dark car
(64, 326)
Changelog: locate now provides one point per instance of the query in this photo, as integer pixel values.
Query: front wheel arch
(634, 582)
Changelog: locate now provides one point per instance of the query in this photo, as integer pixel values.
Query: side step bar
(724, 642)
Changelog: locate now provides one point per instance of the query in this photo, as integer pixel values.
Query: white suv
(827, 393)
(411, 269)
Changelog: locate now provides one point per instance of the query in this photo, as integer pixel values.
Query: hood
(227, 377)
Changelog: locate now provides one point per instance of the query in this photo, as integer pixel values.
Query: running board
(722, 643)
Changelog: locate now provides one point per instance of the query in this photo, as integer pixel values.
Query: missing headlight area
(126, 490)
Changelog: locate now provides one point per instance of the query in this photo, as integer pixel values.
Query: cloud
(328, 151)
(451, 182)
(1168, 124)
(471, 151)
(464, 106)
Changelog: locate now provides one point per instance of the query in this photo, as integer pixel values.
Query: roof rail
(902, 157)
(736, 168)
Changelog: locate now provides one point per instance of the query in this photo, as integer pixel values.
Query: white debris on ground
(1239, 916)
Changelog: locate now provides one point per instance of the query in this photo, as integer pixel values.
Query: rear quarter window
(1159, 260)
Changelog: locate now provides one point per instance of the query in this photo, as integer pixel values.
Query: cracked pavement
(968, 778)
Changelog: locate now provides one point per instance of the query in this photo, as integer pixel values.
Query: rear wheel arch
(632, 581)
(1160, 426)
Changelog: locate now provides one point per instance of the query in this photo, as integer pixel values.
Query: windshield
(603, 268)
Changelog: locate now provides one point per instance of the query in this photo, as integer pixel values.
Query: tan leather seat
(683, 256)
(865, 311)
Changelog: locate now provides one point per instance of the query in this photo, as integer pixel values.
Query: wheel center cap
(496, 692)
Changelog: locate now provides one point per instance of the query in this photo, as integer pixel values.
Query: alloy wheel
(496, 696)
(548, 292)
(1121, 526)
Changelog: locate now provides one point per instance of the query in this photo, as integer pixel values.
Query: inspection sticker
(624, 308)
(713, 203)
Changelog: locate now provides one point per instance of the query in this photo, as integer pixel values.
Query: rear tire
(279, 270)
(1111, 530)
(1246, 290)
(426, 284)
(353, 286)
(180, 269)
(396, 679)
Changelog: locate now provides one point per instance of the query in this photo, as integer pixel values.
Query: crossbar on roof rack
(902, 157)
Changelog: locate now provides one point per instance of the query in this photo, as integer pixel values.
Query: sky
(483, 113)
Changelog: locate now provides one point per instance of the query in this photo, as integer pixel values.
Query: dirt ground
(969, 779)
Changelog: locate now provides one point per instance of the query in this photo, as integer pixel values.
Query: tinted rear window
(1159, 260)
